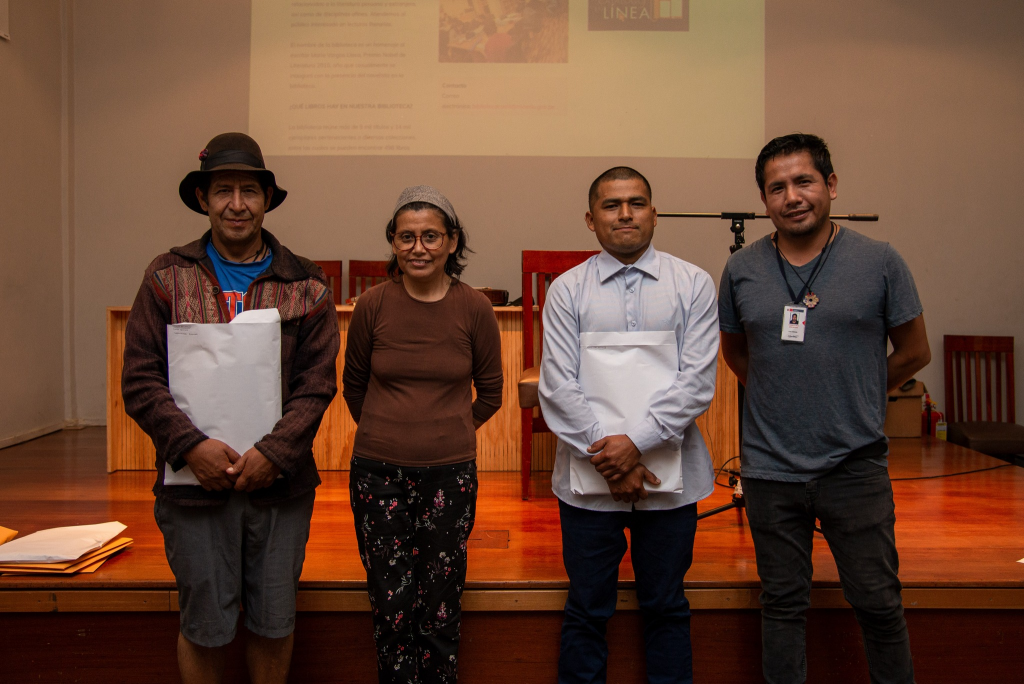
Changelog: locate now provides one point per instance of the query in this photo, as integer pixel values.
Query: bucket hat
(228, 152)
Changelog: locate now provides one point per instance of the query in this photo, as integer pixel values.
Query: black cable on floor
(936, 477)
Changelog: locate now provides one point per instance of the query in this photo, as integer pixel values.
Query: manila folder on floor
(226, 377)
(621, 374)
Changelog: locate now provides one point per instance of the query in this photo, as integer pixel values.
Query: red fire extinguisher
(930, 417)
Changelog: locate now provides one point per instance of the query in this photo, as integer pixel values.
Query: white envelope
(621, 374)
(59, 544)
(226, 377)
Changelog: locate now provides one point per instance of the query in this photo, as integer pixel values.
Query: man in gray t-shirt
(805, 315)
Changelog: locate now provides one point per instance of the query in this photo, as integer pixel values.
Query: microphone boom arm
(737, 218)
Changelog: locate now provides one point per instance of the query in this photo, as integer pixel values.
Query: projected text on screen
(648, 78)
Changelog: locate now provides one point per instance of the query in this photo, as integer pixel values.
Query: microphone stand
(737, 221)
(737, 226)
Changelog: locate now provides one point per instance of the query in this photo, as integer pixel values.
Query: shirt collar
(648, 263)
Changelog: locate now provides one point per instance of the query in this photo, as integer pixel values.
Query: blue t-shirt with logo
(235, 278)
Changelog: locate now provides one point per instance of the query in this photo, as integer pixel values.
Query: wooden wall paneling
(498, 440)
(128, 447)
(544, 444)
(332, 447)
(720, 423)
(114, 361)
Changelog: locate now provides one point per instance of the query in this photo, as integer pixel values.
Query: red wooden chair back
(332, 269)
(979, 378)
(540, 268)
(362, 275)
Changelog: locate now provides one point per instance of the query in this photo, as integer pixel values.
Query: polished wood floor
(959, 539)
(965, 531)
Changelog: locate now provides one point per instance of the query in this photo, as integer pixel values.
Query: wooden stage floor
(959, 539)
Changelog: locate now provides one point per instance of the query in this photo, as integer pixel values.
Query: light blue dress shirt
(659, 292)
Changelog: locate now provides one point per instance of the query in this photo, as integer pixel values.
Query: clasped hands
(218, 467)
(618, 460)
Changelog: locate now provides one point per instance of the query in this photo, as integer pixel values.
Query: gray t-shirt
(808, 405)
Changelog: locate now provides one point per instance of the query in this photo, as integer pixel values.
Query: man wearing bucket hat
(248, 523)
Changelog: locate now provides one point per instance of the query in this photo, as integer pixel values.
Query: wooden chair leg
(527, 451)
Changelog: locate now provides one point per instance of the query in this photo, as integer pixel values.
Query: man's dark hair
(618, 173)
(785, 145)
(456, 262)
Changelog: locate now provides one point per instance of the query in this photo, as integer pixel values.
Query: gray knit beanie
(425, 193)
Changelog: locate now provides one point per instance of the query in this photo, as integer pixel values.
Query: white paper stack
(59, 544)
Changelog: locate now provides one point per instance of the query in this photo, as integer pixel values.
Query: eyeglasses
(430, 240)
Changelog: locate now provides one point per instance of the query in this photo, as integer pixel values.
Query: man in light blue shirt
(629, 287)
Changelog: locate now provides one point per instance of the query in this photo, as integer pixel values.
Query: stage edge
(492, 600)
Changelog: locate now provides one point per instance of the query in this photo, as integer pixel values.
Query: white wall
(31, 273)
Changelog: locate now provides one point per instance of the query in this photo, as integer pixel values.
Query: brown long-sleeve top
(410, 368)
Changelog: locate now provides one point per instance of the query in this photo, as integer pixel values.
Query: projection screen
(577, 78)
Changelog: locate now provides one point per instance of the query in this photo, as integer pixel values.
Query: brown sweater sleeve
(355, 378)
(312, 384)
(487, 376)
(147, 398)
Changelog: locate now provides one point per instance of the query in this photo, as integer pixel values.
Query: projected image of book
(509, 31)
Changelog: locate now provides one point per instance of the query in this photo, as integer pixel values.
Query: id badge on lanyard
(794, 316)
(794, 323)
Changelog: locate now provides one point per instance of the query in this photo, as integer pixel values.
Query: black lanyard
(818, 263)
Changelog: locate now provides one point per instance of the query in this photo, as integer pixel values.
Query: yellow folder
(83, 564)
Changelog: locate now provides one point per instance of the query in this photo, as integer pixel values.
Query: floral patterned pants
(412, 526)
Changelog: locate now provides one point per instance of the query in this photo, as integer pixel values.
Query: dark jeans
(855, 506)
(593, 544)
(412, 527)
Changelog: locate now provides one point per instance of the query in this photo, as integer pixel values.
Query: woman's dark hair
(793, 143)
(456, 262)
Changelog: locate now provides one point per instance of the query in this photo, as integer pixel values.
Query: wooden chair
(362, 275)
(332, 269)
(980, 395)
(544, 267)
